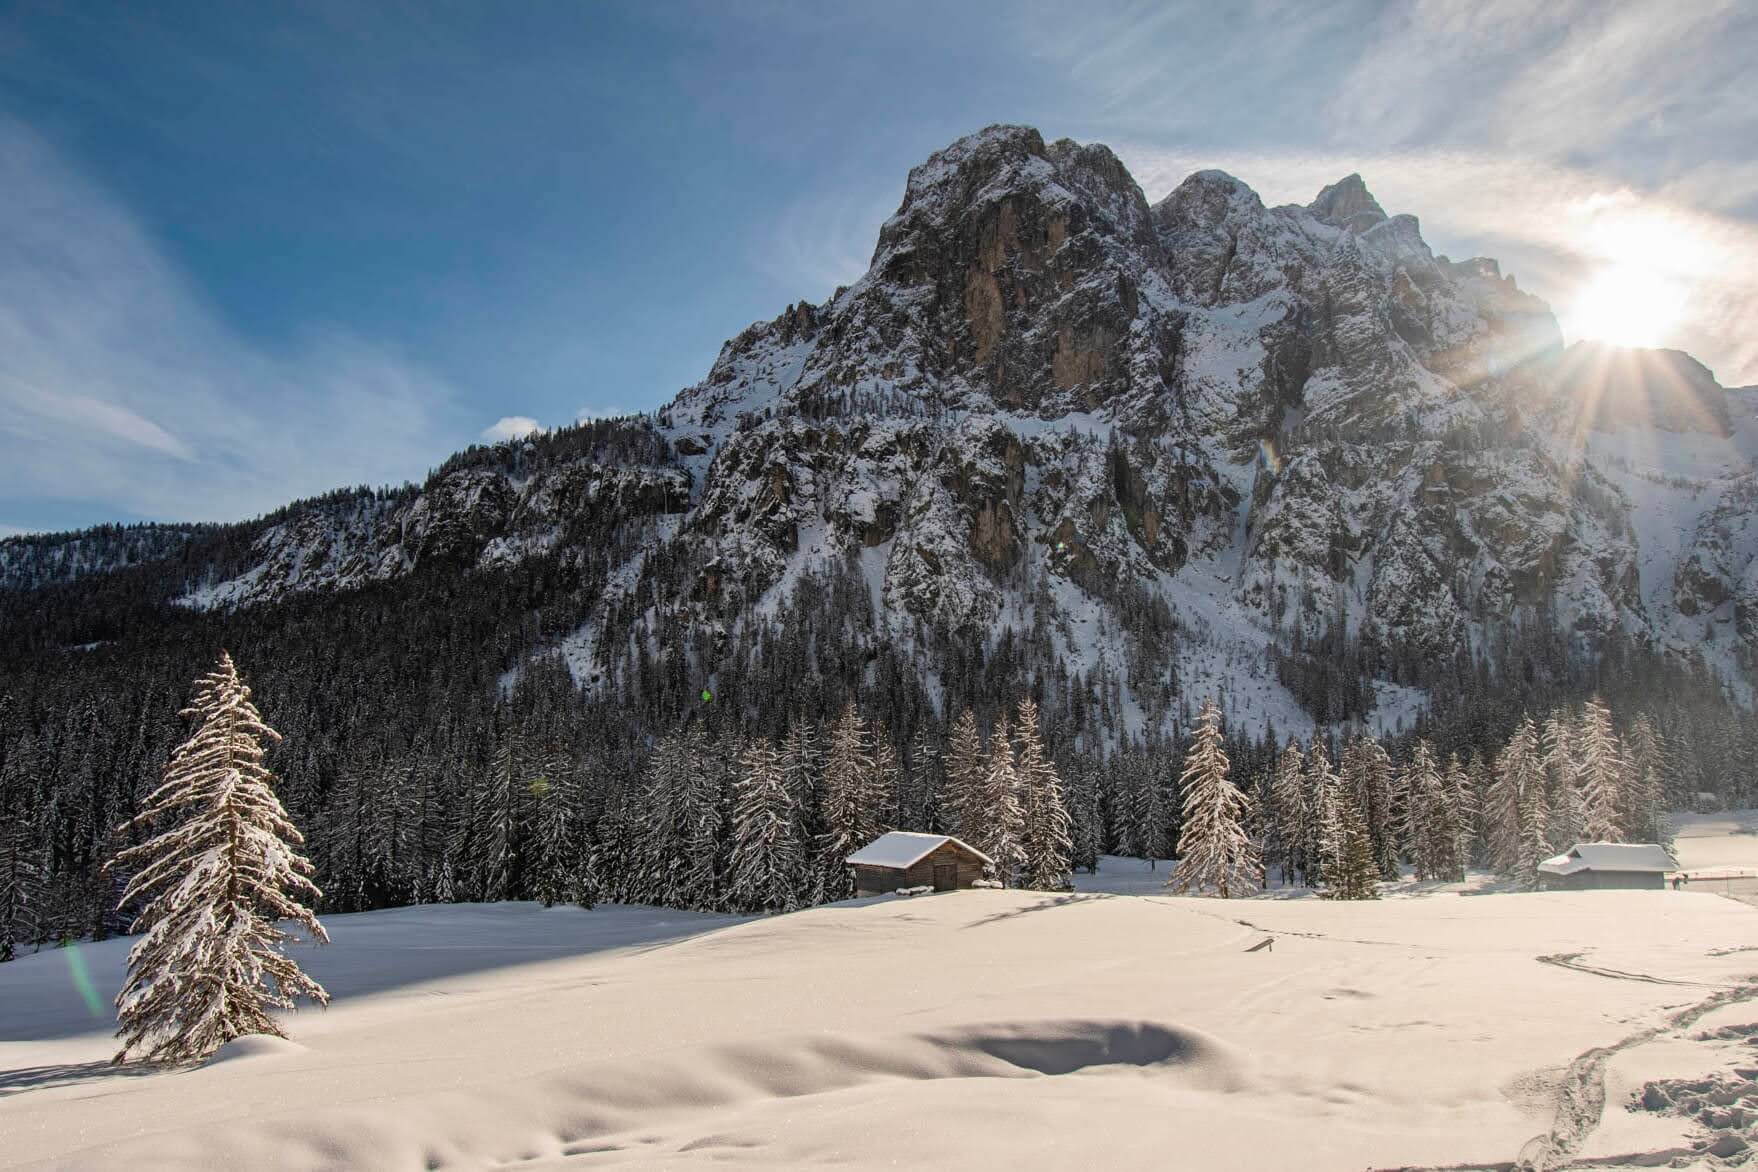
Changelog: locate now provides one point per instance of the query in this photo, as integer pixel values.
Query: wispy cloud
(121, 388)
(825, 238)
(1635, 83)
(93, 415)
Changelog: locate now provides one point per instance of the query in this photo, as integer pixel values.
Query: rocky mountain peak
(1347, 204)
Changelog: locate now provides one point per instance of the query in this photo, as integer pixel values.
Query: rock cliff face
(1048, 400)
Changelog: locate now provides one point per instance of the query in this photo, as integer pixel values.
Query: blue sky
(250, 252)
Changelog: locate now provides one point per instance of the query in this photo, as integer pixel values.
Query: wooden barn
(901, 859)
(1602, 866)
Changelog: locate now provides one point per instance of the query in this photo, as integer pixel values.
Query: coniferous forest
(433, 752)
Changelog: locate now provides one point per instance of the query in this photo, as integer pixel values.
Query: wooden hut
(1599, 866)
(901, 859)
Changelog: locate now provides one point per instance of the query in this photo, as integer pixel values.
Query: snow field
(1011, 1028)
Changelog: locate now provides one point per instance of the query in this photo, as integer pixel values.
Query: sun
(1626, 304)
(1640, 257)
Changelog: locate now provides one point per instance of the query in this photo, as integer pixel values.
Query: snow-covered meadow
(995, 1028)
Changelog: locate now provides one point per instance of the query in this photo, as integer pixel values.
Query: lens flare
(82, 981)
(1266, 450)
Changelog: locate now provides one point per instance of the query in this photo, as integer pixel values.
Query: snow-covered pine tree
(392, 831)
(1086, 825)
(498, 819)
(1565, 820)
(1461, 808)
(21, 864)
(999, 822)
(1048, 842)
(1431, 828)
(444, 887)
(1480, 775)
(1502, 814)
(1535, 844)
(1375, 781)
(1214, 851)
(766, 872)
(848, 821)
(700, 817)
(1407, 815)
(802, 770)
(1289, 814)
(612, 853)
(916, 808)
(219, 876)
(655, 864)
(962, 778)
(1145, 808)
(1355, 776)
(1351, 872)
(20, 882)
(884, 784)
(1601, 776)
(1642, 815)
(557, 840)
(1324, 812)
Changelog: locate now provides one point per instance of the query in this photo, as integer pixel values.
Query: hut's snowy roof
(1610, 856)
(902, 849)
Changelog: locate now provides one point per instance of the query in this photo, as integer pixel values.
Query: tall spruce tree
(802, 772)
(1350, 870)
(1289, 814)
(1461, 809)
(962, 778)
(1502, 812)
(1367, 778)
(1601, 776)
(1324, 811)
(766, 872)
(700, 819)
(1433, 827)
(1642, 813)
(1214, 851)
(849, 820)
(21, 875)
(21, 856)
(1048, 842)
(217, 878)
(1566, 819)
(1000, 827)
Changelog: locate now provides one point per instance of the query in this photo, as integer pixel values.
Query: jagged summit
(1347, 203)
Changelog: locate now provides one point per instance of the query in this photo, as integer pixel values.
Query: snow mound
(613, 1106)
(254, 1046)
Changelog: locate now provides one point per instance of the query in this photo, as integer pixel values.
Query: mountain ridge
(1051, 404)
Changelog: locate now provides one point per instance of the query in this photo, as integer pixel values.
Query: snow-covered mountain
(1050, 405)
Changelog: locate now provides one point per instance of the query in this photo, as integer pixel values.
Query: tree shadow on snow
(62, 992)
(1047, 905)
(38, 1078)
